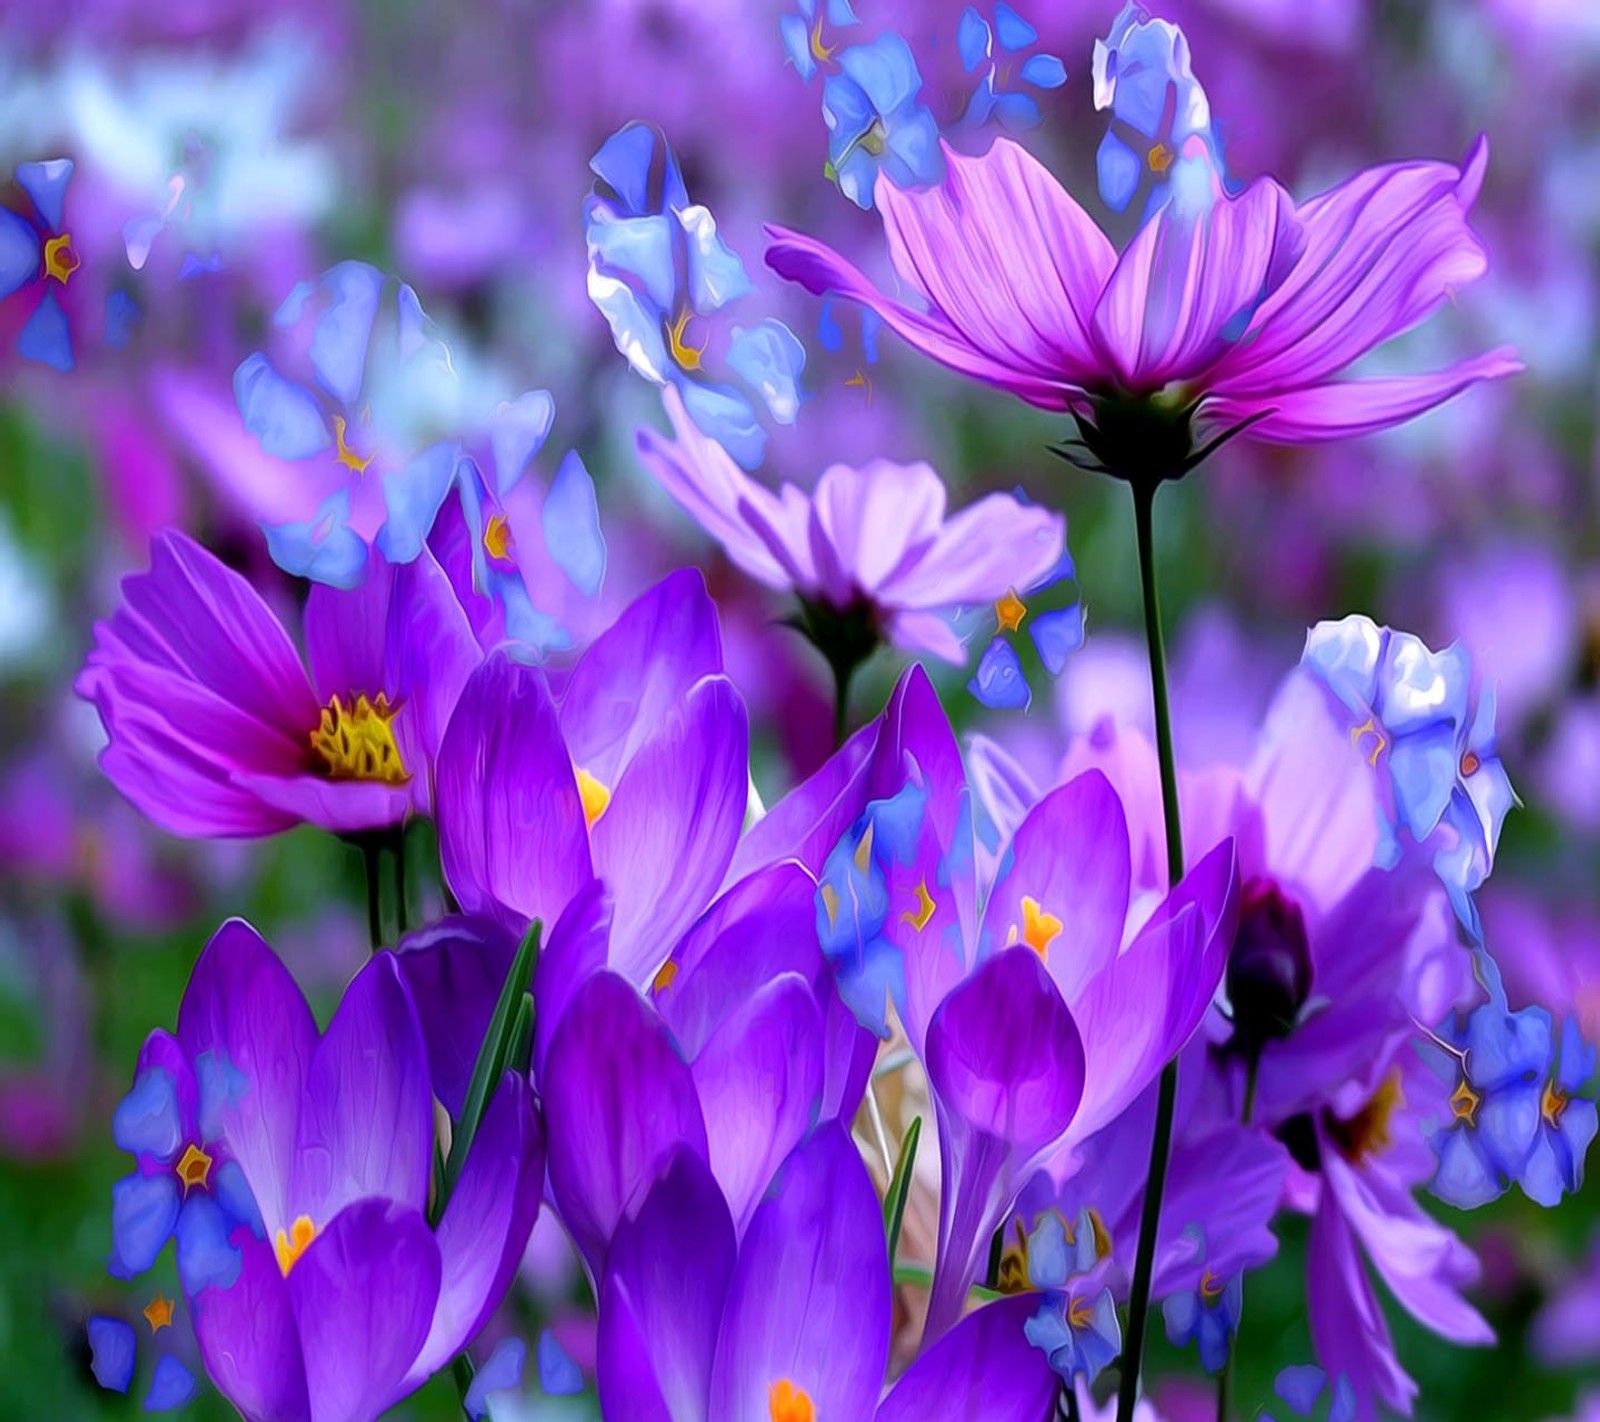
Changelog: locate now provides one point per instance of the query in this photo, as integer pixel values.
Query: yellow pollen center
(594, 795)
(1210, 1286)
(863, 855)
(666, 975)
(788, 1403)
(1039, 929)
(158, 1313)
(294, 1242)
(830, 901)
(1368, 1131)
(1010, 611)
(1012, 1275)
(497, 537)
(60, 261)
(1464, 1102)
(356, 463)
(683, 353)
(1080, 1313)
(1369, 726)
(356, 742)
(820, 52)
(1552, 1104)
(1102, 1235)
(1160, 158)
(876, 139)
(193, 1167)
(919, 916)
(1469, 764)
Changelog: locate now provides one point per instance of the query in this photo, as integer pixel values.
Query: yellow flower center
(1161, 158)
(1464, 1102)
(497, 537)
(1369, 727)
(788, 1403)
(1080, 1313)
(193, 1167)
(1039, 929)
(1210, 1287)
(355, 463)
(1552, 1104)
(1369, 1131)
(60, 261)
(1010, 611)
(1470, 764)
(1012, 1275)
(356, 742)
(665, 976)
(820, 52)
(158, 1313)
(919, 916)
(294, 1242)
(686, 355)
(595, 797)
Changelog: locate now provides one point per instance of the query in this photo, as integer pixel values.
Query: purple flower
(214, 727)
(350, 1299)
(1253, 308)
(871, 543)
(638, 775)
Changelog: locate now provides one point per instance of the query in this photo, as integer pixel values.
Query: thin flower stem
(842, 677)
(1225, 1382)
(1167, 1095)
(369, 855)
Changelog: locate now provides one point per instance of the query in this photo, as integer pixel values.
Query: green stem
(403, 918)
(463, 1372)
(1167, 1094)
(1225, 1382)
(842, 677)
(369, 855)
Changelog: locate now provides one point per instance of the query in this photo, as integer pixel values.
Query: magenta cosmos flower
(873, 540)
(1248, 311)
(215, 728)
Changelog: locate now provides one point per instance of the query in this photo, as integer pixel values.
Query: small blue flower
(1160, 139)
(113, 1348)
(1298, 1388)
(559, 1376)
(875, 123)
(38, 260)
(172, 1385)
(996, 51)
(1208, 1316)
(501, 1373)
(1056, 632)
(1076, 1324)
(660, 274)
(802, 33)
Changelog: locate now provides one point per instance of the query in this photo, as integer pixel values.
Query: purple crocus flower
(216, 729)
(348, 1298)
(1254, 307)
(871, 543)
(791, 1323)
(638, 774)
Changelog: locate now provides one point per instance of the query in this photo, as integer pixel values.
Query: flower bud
(1269, 969)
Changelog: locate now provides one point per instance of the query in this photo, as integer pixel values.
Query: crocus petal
(486, 1224)
(661, 1302)
(573, 952)
(665, 840)
(366, 1124)
(249, 1341)
(1070, 856)
(511, 826)
(984, 1367)
(243, 1014)
(759, 1079)
(618, 1100)
(363, 1297)
(1006, 1066)
(809, 1302)
(632, 676)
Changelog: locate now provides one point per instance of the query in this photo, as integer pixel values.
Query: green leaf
(894, 1201)
(493, 1057)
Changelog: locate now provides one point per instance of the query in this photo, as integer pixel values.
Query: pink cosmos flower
(1250, 308)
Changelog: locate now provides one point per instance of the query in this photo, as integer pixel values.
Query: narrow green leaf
(521, 1054)
(894, 1201)
(493, 1057)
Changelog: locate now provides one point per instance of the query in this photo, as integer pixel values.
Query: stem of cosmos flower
(842, 677)
(1144, 494)
(369, 855)
(1225, 1382)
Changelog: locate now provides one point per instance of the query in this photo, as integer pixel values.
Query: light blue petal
(194, 265)
(122, 319)
(326, 550)
(972, 39)
(796, 35)
(729, 418)
(559, 1376)
(501, 1373)
(46, 183)
(414, 323)
(1345, 655)
(1422, 766)
(222, 1085)
(640, 248)
(624, 162)
(204, 1255)
(517, 432)
(871, 324)
(113, 1346)
(885, 70)
(999, 683)
(840, 15)
(1300, 1387)
(282, 414)
(344, 331)
(172, 1386)
(232, 1192)
(857, 174)
(769, 358)
(716, 275)
(869, 980)
(1044, 71)
(635, 327)
(571, 522)
(829, 333)
(411, 500)
(293, 306)
(1344, 1401)
(1577, 1058)
(913, 144)
(847, 111)
(147, 1121)
(1213, 1338)
(144, 1212)
(538, 631)
(47, 338)
(1048, 1265)
(1018, 112)
(1011, 29)
(1181, 1313)
(1419, 688)
(1118, 169)
(19, 253)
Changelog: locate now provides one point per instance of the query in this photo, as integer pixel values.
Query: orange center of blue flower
(60, 261)
(355, 463)
(1210, 1287)
(686, 355)
(919, 916)
(193, 1168)
(1552, 1104)
(356, 741)
(1470, 764)
(497, 537)
(294, 1242)
(1369, 727)
(1010, 611)
(788, 1403)
(1464, 1102)
(158, 1313)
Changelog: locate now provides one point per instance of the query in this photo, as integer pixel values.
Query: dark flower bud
(1269, 969)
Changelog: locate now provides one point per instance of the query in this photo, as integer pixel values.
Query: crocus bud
(1269, 969)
